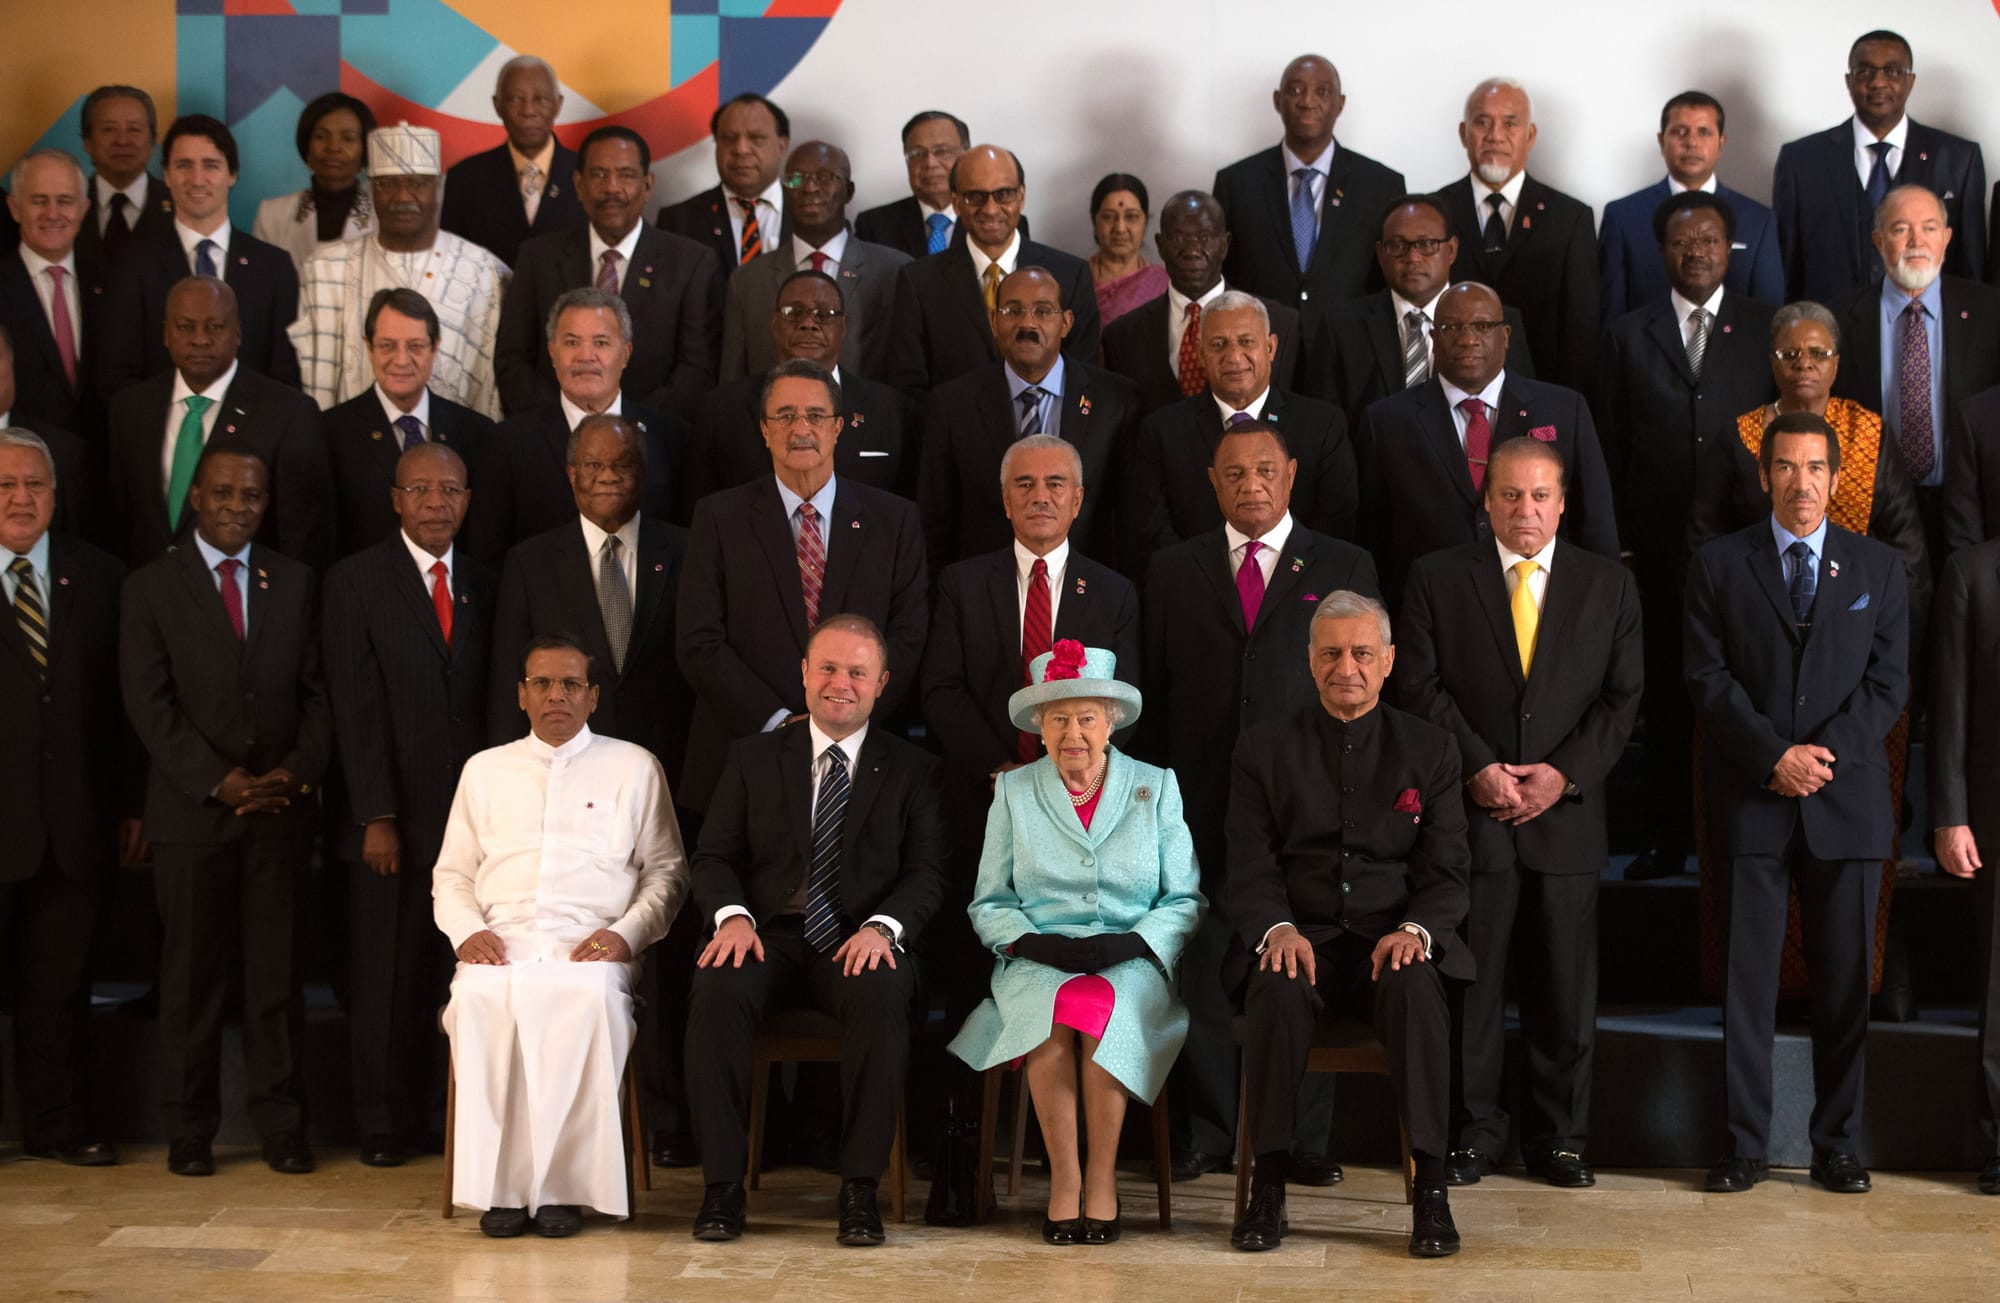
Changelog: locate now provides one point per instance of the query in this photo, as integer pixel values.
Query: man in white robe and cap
(464, 282)
(561, 862)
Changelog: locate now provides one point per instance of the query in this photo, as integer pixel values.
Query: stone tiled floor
(350, 1232)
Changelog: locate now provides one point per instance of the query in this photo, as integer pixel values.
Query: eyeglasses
(541, 686)
(1867, 72)
(1449, 329)
(942, 153)
(1791, 355)
(1039, 311)
(977, 198)
(818, 180)
(1399, 247)
(797, 311)
(814, 418)
(1696, 243)
(625, 468)
(449, 492)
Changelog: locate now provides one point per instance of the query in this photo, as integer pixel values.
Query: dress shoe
(503, 1223)
(1989, 1177)
(381, 1151)
(1065, 1232)
(721, 1215)
(860, 1222)
(1193, 1163)
(1839, 1171)
(1432, 1234)
(1656, 862)
(78, 1152)
(1102, 1232)
(190, 1158)
(287, 1152)
(1565, 1169)
(669, 1151)
(1735, 1175)
(1466, 1167)
(1263, 1225)
(558, 1221)
(1313, 1169)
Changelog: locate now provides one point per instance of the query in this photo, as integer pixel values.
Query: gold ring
(597, 945)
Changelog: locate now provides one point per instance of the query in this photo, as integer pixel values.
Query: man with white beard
(561, 862)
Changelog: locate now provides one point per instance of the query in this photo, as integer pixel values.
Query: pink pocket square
(1545, 433)
(1408, 802)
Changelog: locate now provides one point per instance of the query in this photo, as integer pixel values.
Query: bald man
(523, 186)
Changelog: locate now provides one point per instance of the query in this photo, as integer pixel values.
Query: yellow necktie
(1527, 616)
(989, 285)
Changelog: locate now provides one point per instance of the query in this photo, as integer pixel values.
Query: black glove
(1046, 948)
(1081, 954)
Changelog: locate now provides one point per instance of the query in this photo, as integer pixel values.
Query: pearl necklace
(1081, 799)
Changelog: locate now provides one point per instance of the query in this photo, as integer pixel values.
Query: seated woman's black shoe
(1065, 1232)
(1097, 1232)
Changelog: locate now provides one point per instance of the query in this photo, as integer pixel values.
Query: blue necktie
(1878, 175)
(412, 431)
(823, 880)
(1805, 582)
(940, 227)
(204, 258)
(1305, 221)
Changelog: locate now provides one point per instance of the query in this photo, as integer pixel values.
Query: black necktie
(118, 230)
(1496, 230)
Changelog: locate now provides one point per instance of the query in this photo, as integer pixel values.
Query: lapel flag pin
(1079, 587)
(375, 434)
(854, 525)
(1833, 569)
(243, 262)
(645, 284)
(658, 566)
(64, 581)
(1298, 564)
(1728, 329)
(1083, 404)
(856, 419)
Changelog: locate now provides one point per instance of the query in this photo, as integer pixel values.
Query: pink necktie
(1250, 584)
(232, 599)
(607, 272)
(1478, 441)
(812, 561)
(65, 332)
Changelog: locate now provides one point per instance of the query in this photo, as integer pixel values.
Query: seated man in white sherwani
(561, 862)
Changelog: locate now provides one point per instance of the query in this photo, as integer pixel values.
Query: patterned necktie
(33, 617)
(823, 880)
(818, 261)
(812, 561)
(1035, 635)
(232, 597)
(607, 271)
(753, 241)
(1494, 237)
(614, 598)
(187, 453)
(1478, 440)
(989, 286)
(1250, 584)
(531, 192)
(1416, 349)
(441, 598)
(1805, 582)
(1703, 321)
(1305, 217)
(117, 230)
(204, 258)
(60, 324)
(1527, 615)
(411, 429)
(1030, 421)
(1915, 366)
(1193, 375)
(940, 233)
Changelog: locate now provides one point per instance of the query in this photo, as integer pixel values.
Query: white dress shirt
(770, 214)
(425, 561)
(1255, 407)
(1864, 157)
(624, 249)
(573, 415)
(628, 552)
(980, 262)
(422, 410)
(1272, 544)
(212, 557)
(191, 244)
(1684, 310)
(1323, 165)
(1538, 582)
(835, 249)
(1490, 395)
(1402, 307)
(1177, 310)
(135, 194)
(1024, 570)
(45, 289)
(177, 410)
(1674, 187)
(1510, 192)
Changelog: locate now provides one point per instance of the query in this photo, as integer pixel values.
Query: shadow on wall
(1111, 84)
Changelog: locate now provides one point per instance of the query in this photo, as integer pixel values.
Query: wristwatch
(888, 934)
(1571, 790)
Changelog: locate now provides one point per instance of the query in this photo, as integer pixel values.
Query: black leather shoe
(381, 1151)
(1194, 1163)
(670, 1152)
(558, 1221)
(78, 1152)
(1839, 1171)
(1566, 1170)
(721, 1215)
(1466, 1166)
(1264, 1224)
(1432, 1234)
(503, 1223)
(1101, 1232)
(1735, 1175)
(1313, 1169)
(1989, 1177)
(190, 1158)
(1656, 862)
(860, 1223)
(287, 1152)
(1065, 1232)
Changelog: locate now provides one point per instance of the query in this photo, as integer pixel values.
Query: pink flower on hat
(1065, 661)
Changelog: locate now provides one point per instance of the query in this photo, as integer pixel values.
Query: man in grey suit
(819, 185)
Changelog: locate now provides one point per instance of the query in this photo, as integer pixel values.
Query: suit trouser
(873, 1008)
(1986, 904)
(1554, 917)
(1409, 1012)
(664, 990)
(233, 901)
(399, 971)
(1669, 721)
(46, 924)
(1837, 916)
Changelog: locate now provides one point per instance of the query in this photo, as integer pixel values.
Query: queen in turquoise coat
(1088, 890)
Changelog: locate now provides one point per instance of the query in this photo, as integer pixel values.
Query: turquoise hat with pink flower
(1068, 672)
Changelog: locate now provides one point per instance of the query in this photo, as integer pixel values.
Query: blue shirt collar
(1785, 538)
(38, 557)
(1894, 300)
(1051, 383)
(212, 556)
(822, 501)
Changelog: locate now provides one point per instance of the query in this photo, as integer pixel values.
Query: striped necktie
(753, 242)
(812, 561)
(1416, 349)
(29, 612)
(1703, 321)
(823, 880)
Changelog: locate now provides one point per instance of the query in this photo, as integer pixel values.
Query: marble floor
(351, 1232)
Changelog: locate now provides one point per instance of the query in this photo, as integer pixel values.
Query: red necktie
(232, 600)
(818, 260)
(1478, 440)
(65, 333)
(1035, 633)
(1250, 585)
(753, 244)
(441, 598)
(1194, 376)
(812, 561)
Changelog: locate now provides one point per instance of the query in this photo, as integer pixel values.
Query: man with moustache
(743, 216)
(923, 221)
(50, 295)
(818, 187)
(1033, 389)
(1157, 345)
(119, 125)
(408, 623)
(671, 286)
(524, 186)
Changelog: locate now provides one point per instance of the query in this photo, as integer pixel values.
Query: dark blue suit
(1634, 274)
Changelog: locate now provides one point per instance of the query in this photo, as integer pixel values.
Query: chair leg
(1409, 1164)
(642, 1163)
(1019, 1144)
(450, 1128)
(760, 1089)
(1242, 1144)
(1163, 1159)
(897, 1193)
(989, 1119)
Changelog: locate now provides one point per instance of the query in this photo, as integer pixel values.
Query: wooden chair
(806, 1036)
(989, 1118)
(1339, 1045)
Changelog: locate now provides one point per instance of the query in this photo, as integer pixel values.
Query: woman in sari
(1119, 270)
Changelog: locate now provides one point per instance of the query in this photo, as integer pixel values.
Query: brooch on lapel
(645, 284)
(1729, 330)
(854, 524)
(658, 566)
(1079, 588)
(243, 262)
(1410, 803)
(1924, 158)
(167, 205)
(552, 191)
(855, 420)
(231, 429)
(1298, 564)
(1142, 794)
(1963, 315)
(375, 434)
(1542, 433)
(63, 580)
(1833, 570)
(1310, 597)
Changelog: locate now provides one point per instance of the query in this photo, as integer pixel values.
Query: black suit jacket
(970, 423)
(1547, 269)
(1354, 353)
(1971, 330)
(1458, 665)
(1263, 258)
(267, 299)
(65, 752)
(1316, 840)
(521, 476)
(408, 709)
(482, 201)
(204, 703)
(1972, 472)
(279, 421)
(1824, 217)
(1167, 493)
(42, 391)
(1206, 679)
(756, 841)
(362, 448)
(1419, 495)
(1762, 686)
(878, 447)
(940, 329)
(1964, 748)
(704, 218)
(155, 216)
(1136, 346)
(742, 617)
(674, 291)
(899, 224)
(549, 586)
(1658, 421)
